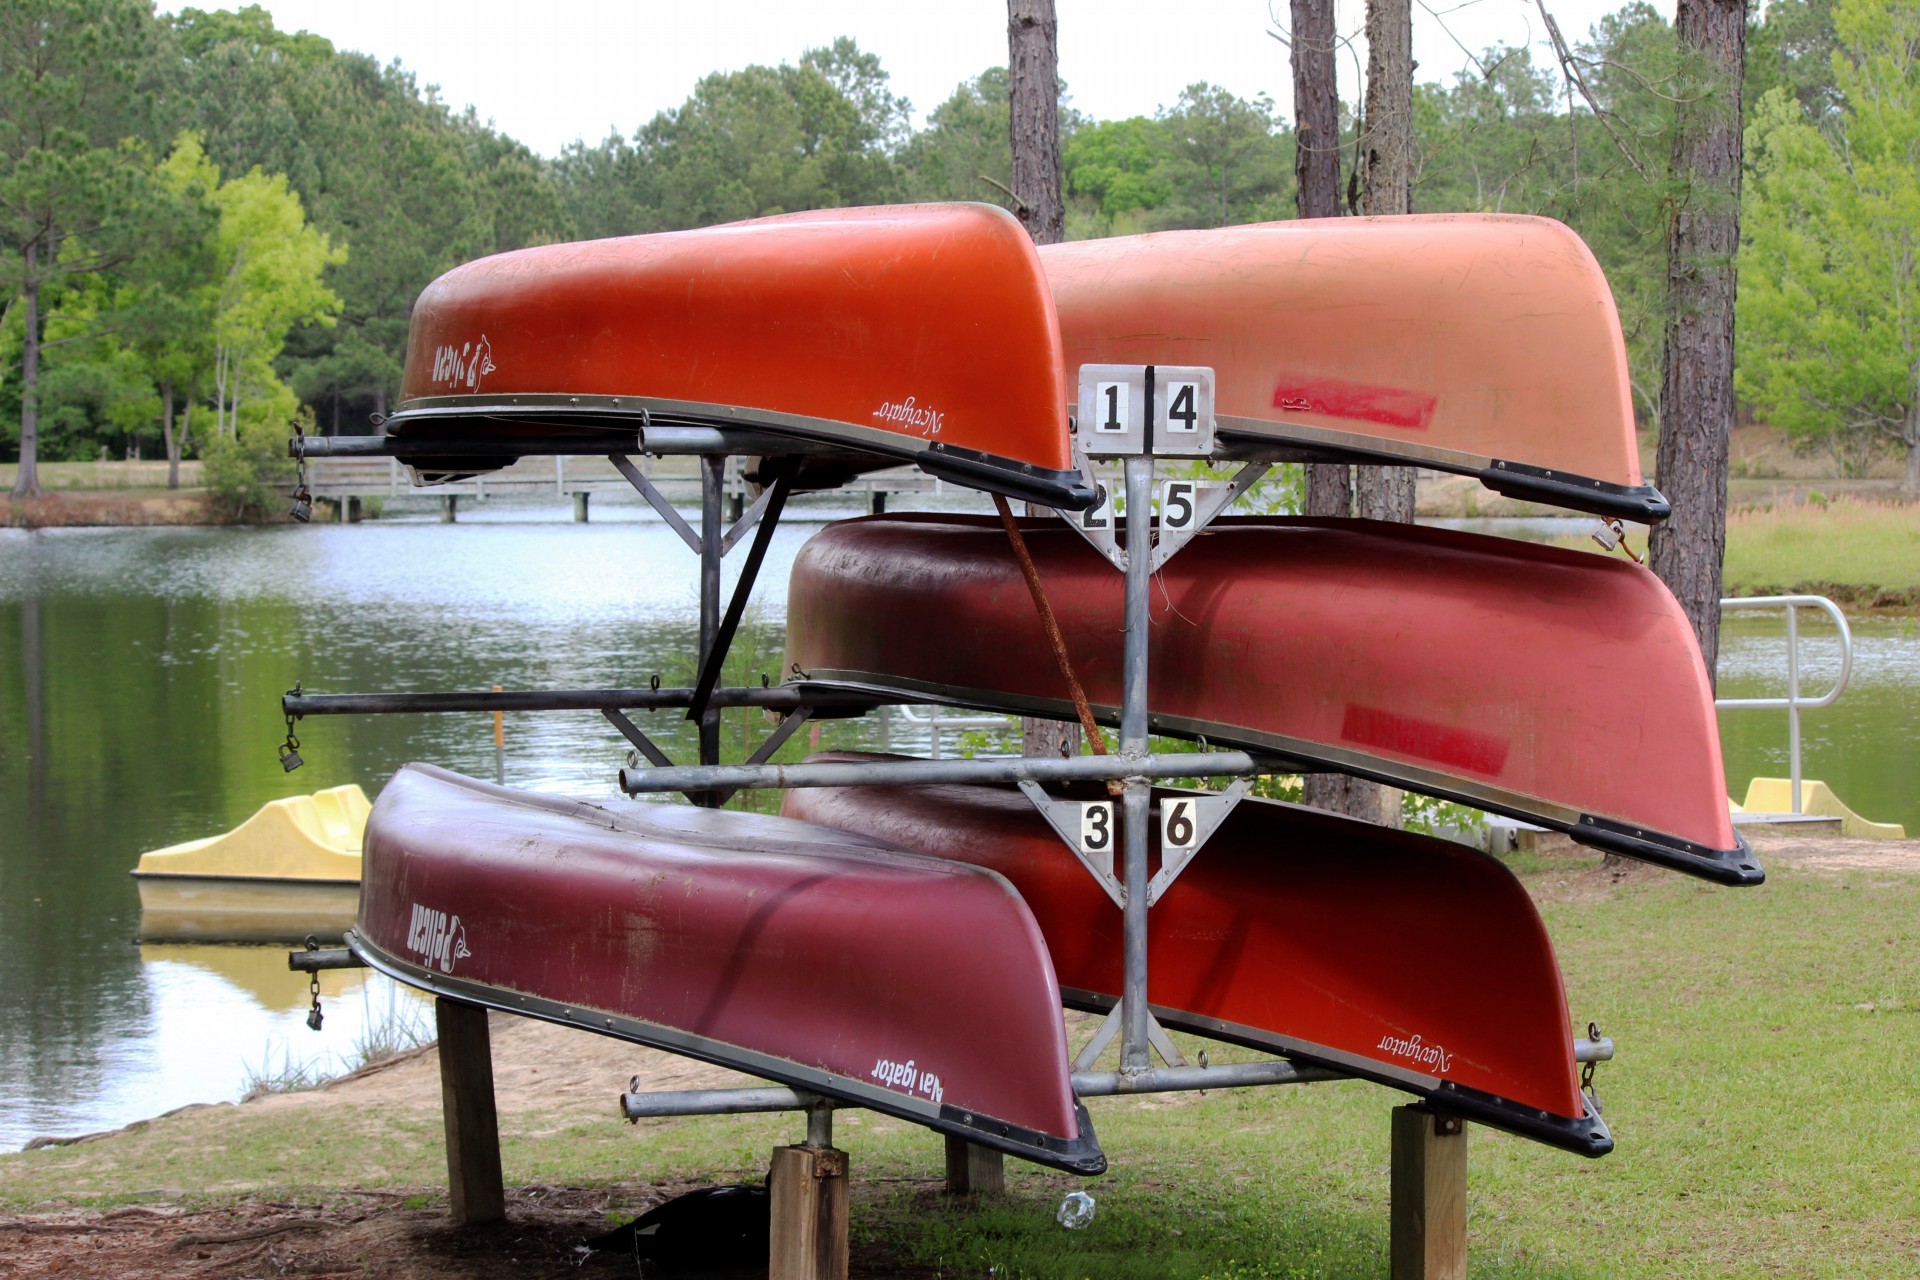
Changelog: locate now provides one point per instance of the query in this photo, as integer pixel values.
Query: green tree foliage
(77, 100)
(964, 153)
(1830, 287)
(1210, 160)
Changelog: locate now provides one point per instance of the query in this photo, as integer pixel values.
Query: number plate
(1178, 828)
(1097, 831)
(1117, 418)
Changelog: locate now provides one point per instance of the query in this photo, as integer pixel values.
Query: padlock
(313, 1016)
(290, 755)
(302, 506)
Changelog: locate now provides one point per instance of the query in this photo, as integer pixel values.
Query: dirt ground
(560, 1074)
(402, 1233)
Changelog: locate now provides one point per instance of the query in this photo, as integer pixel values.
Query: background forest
(211, 227)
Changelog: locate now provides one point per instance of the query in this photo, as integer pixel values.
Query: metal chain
(314, 1016)
(1586, 1068)
(290, 749)
(302, 509)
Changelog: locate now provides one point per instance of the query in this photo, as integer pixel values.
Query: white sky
(550, 72)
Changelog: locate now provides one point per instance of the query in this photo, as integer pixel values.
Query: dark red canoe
(918, 333)
(1556, 686)
(1403, 959)
(1486, 344)
(830, 962)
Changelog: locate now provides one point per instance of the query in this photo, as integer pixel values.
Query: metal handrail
(934, 722)
(1793, 702)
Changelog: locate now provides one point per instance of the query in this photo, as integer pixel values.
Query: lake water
(139, 681)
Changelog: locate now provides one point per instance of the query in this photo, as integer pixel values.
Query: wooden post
(580, 497)
(449, 508)
(1429, 1195)
(807, 1190)
(973, 1170)
(466, 1103)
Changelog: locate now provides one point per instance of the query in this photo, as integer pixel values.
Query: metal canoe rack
(1131, 415)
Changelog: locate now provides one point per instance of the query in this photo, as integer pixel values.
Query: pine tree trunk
(1033, 117)
(166, 433)
(1316, 176)
(1910, 436)
(1033, 123)
(1703, 234)
(1386, 159)
(1378, 493)
(27, 483)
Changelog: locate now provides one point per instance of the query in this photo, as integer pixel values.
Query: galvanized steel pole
(1133, 749)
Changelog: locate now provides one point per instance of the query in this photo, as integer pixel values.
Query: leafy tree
(963, 152)
(1830, 302)
(1118, 172)
(75, 101)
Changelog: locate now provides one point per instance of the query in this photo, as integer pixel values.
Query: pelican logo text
(1427, 1055)
(440, 938)
(464, 365)
(928, 421)
(903, 1075)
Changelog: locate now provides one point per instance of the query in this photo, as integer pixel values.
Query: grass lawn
(1766, 1102)
(1860, 545)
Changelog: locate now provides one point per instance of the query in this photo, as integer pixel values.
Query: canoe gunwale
(1736, 866)
(1080, 1155)
(1066, 489)
(210, 877)
(1586, 1135)
(1256, 437)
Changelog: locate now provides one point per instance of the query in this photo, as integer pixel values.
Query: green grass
(1858, 545)
(1765, 1100)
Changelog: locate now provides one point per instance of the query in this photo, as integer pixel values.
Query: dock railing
(1794, 703)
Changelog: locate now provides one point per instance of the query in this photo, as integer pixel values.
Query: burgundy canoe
(1478, 343)
(1557, 686)
(830, 962)
(919, 333)
(1407, 960)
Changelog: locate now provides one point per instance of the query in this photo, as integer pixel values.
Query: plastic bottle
(1076, 1211)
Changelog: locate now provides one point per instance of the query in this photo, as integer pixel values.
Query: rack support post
(807, 1194)
(1428, 1214)
(466, 1101)
(974, 1170)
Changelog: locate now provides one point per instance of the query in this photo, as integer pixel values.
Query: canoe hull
(1410, 961)
(1559, 687)
(1478, 343)
(823, 961)
(861, 328)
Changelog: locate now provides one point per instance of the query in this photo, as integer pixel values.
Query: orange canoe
(919, 333)
(1478, 343)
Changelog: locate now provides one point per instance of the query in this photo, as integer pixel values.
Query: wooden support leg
(580, 499)
(1429, 1195)
(466, 1102)
(807, 1188)
(449, 508)
(973, 1170)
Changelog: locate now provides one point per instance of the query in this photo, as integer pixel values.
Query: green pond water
(139, 680)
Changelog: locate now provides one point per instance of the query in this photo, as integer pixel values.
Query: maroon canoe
(916, 333)
(1557, 686)
(917, 987)
(1485, 344)
(1407, 960)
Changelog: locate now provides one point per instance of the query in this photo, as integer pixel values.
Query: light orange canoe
(917, 333)
(1477, 343)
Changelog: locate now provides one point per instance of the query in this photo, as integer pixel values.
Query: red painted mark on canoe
(1402, 735)
(1388, 406)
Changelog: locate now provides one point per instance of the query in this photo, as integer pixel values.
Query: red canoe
(1560, 687)
(1479, 343)
(830, 962)
(922, 333)
(1407, 960)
